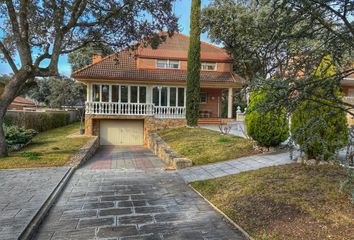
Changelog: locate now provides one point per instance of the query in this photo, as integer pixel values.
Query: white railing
(170, 112)
(348, 99)
(106, 108)
(136, 109)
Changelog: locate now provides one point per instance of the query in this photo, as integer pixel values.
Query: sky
(182, 11)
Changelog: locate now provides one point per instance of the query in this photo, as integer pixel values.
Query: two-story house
(131, 93)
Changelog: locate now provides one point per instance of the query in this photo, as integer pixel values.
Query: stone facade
(85, 153)
(151, 124)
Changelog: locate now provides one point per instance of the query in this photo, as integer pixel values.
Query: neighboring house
(347, 85)
(146, 89)
(19, 103)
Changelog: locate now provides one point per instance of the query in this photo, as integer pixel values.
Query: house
(133, 92)
(347, 85)
(19, 103)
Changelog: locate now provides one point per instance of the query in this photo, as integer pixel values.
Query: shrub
(320, 129)
(269, 128)
(15, 135)
(39, 121)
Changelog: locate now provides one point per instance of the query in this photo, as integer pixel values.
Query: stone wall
(85, 153)
(159, 147)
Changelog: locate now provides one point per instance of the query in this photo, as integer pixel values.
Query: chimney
(97, 55)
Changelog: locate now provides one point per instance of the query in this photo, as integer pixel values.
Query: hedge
(39, 121)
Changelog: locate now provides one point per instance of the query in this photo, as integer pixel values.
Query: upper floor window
(208, 66)
(167, 64)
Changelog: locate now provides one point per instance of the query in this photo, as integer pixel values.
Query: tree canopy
(39, 32)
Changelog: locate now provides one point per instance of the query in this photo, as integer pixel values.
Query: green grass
(204, 146)
(285, 202)
(48, 149)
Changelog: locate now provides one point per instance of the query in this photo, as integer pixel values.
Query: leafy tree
(193, 69)
(39, 32)
(318, 128)
(83, 57)
(57, 92)
(269, 128)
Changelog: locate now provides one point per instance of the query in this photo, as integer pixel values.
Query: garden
(205, 146)
(50, 148)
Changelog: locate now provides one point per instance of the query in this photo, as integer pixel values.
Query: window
(173, 96)
(115, 93)
(164, 96)
(96, 92)
(124, 94)
(142, 94)
(203, 97)
(208, 66)
(181, 97)
(133, 94)
(167, 64)
(156, 96)
(105, 93)
(168, 96)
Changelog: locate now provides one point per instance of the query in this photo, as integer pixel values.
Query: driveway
(22, 194)
(122, 193)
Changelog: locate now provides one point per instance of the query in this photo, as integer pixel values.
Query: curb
(238, 227)
(32, 227)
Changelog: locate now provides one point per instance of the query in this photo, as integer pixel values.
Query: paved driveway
(115, 196)
(22, 193)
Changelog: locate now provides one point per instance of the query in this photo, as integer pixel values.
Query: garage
(121, 132)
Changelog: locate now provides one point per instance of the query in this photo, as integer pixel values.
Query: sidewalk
(22, 193)
(230, 167)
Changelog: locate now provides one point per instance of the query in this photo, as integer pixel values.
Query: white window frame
(159, 87)
(206, 97)
(206, 64)
(168, 64)
(120, 92)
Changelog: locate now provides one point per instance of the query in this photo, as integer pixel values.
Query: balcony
(134, 109)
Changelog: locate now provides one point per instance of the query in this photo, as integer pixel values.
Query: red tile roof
(177, 48)
(125, 69)
(23, 102)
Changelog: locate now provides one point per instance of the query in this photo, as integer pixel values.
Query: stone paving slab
(132, 205)
(22, 194)
(124, 158)
(221, 169)
(136, 203)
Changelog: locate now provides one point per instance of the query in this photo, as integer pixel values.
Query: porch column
(88, 92)
(229, 103)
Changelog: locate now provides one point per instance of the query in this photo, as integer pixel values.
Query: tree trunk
(10, 92)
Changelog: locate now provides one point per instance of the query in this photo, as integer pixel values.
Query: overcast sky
(182, 10)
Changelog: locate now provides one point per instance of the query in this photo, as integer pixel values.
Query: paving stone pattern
(22, 193)
(126, 204)
(225, 168)
(124, 157)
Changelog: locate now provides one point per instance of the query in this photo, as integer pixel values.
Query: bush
(268, 129)
(39, 121)
(15, 135)
(319, 130)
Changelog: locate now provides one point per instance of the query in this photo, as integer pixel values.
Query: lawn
(285, 202)
(204, 146)
(48, 149)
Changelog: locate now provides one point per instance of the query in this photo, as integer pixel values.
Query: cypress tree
(193, 75)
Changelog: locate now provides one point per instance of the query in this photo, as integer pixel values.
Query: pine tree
(193, 76)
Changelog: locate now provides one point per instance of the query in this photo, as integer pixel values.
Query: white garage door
(121, 132)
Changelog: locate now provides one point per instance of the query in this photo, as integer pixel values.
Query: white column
(229, 103)
(88, 92)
